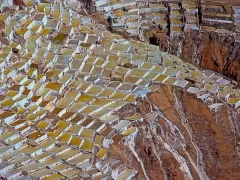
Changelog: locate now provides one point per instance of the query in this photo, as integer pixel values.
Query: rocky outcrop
(213, 51)
(82, 6)
(19, 3)
(181, 138)
(208, 50)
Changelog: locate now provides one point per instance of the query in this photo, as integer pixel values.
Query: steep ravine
(180, 138)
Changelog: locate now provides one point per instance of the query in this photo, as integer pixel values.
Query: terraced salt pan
(69, 93)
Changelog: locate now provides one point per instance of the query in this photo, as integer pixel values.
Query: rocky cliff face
(209, 50)
(180, 138)
(213, 51)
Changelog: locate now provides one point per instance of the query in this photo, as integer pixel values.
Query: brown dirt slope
(180, 138)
